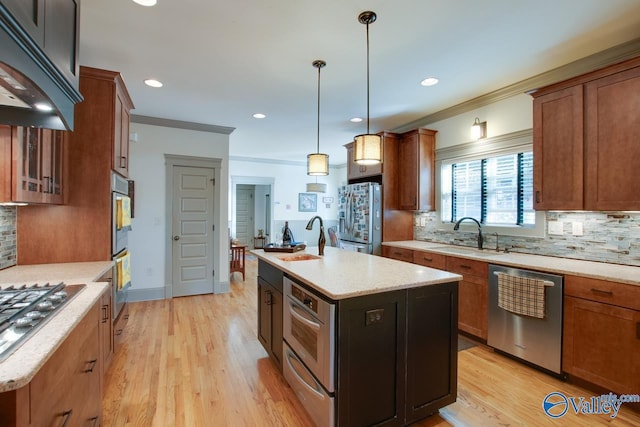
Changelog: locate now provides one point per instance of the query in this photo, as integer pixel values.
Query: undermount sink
(469, 251)
(299, 257)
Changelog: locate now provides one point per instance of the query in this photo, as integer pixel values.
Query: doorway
(245, 214)
(260, 210)
(193, 248)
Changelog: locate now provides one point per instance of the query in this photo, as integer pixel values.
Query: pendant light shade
(367, 148)
(318, 163)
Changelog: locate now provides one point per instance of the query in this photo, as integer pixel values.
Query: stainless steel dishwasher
(532, 339)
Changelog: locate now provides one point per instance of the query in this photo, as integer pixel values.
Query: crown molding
(178, 124)
(618, 53)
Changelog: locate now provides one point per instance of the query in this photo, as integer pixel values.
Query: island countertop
(341, 274)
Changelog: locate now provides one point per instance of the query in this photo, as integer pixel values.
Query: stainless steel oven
(120, 228)
(309, 350)
(309, 324)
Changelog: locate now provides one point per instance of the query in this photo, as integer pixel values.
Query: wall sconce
(478, 130)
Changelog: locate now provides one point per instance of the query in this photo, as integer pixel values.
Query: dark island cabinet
(396, 355)
(270, 310)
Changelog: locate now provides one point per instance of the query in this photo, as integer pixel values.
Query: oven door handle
(315, 390)
(299, 314)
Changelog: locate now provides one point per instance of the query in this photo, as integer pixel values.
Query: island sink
(299, 257)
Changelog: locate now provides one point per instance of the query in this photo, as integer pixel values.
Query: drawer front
(401, 254)
(614, 293)
(467, 267)
(429, 259)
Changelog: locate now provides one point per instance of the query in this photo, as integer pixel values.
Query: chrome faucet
(321, 239)
(457, 226)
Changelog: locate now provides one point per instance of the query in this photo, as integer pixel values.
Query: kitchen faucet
(321, 239)
(457, 226)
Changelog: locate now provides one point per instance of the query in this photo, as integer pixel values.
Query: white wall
(506, 116)
(288, 180)
(147, 168)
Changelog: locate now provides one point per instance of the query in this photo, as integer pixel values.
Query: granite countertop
(341, 274)
(591, 269)
(22, 365)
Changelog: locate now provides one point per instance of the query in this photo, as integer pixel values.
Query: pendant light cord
(318, 131)
(367, 77)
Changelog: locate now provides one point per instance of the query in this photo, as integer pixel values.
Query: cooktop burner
(24, 309)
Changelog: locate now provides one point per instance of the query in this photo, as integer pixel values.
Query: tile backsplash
(612, 237)
(7, 236)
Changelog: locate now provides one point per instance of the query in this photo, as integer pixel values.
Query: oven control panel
(305, 298)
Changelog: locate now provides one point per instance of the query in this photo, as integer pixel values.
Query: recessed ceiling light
(356, 120)
(146, 2)
(43, 107)
(153, 83)
(429, 81)
(259, 116)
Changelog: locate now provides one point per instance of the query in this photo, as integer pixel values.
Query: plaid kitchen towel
(522, 295)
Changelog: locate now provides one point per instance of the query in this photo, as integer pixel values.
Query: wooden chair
(237, 259)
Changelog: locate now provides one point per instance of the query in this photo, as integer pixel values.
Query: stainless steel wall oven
(120, 227)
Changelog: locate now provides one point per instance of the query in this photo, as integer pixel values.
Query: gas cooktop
(25, 309)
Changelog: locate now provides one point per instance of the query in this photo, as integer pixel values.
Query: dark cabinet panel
(270, 310)
(61, 36)
(371, 364)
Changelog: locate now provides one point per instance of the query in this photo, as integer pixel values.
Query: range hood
(29, 78)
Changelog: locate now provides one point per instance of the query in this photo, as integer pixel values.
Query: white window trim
(504, 144)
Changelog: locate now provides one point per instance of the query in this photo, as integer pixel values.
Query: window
(496, 190)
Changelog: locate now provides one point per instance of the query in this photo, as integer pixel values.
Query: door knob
(176, 238)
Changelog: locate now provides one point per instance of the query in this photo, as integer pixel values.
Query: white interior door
(245, 207)
(192, 224)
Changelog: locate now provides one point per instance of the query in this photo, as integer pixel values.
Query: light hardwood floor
(196, 361)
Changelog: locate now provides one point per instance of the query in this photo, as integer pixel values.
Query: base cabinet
(270, 306)
(602, 333)
(401, 367)
(67, 389)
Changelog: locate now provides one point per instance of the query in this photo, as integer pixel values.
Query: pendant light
(367, 148)
(318, 163)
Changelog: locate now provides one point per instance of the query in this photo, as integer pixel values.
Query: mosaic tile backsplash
(7, 236)
(612, 237)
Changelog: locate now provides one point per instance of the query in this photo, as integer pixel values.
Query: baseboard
(151, 294)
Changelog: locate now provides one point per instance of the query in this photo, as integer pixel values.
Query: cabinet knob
(67, 416)
(537, 196)
(123, 162)
(176, 238)
(92, 364)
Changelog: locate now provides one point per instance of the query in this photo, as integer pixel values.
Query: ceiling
(222, 61)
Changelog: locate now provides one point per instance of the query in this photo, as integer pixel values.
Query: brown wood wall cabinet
(407, 178)
(416, 170)
(585, 133)
(67, 389)
(83, 225)
(602, 333)
(34, 165)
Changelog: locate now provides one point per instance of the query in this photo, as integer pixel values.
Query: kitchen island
(392, 346)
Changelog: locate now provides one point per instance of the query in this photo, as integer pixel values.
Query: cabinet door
(355, 171)
(106, 330)
(119, 158)
(27, 145)
(416, 176)
(371, 360)
(612, 129)
(600, 344)
(265, 292)
(558, 150)
(473, 290)
(276, 327)
(432, 340)
(53, 164)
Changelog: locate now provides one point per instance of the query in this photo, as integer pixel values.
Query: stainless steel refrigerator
(360, 217)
